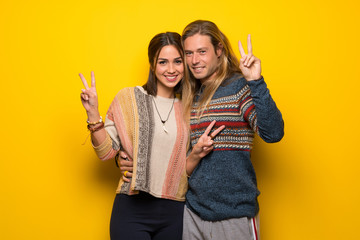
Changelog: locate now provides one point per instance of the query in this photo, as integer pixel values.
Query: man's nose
(195, 59)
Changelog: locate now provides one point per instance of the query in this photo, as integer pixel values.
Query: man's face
(201, 57)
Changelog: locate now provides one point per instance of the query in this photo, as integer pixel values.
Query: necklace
(163, 121)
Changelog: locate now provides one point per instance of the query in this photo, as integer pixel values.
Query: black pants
(144, 217)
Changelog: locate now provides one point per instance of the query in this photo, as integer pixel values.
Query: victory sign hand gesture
(250, 65)
(202, 148)
(89, 97)
(205, 143)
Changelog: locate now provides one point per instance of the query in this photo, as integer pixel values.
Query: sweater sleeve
(268, 122)
(110, 147)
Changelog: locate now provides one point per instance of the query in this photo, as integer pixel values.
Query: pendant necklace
(163, 121)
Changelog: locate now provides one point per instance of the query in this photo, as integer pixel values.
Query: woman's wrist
(93, 116)
(193, 157)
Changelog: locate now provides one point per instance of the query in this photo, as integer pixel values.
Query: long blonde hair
(228, 65)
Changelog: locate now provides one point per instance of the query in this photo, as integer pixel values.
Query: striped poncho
(159, 157)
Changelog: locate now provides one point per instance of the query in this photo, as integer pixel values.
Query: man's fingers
(250, 58)
(241, 49)
(249, 45)
(250, 61)
(126, 163)
(123, 155)
(126, 168)
(125, 179)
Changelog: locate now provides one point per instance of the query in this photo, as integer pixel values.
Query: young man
(221, 202)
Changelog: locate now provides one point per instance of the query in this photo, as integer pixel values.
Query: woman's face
(169, 70)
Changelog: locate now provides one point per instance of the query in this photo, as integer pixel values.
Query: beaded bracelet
(97, 128)
(93, 123)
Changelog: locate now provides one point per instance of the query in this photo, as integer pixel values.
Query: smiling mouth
(171, 78)
(197, 69)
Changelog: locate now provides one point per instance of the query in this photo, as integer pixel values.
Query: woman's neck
(165, 94)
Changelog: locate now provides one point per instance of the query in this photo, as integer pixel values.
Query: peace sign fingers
(89, 95)
(208, 129)
(241, 49)
(249, 45)
(206, 138)
(92, 79)
(84, 81)
(214, 133)
(250, 65)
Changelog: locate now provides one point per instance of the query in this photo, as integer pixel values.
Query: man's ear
(219, 49)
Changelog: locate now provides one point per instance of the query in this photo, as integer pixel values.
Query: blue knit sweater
(223, 185)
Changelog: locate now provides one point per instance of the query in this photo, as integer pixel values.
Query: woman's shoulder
(131, 90)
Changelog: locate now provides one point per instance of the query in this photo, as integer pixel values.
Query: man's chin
(198, 75)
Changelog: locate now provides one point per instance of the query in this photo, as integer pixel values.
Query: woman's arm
(89, 100)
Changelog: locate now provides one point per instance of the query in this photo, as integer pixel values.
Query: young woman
(147, 124)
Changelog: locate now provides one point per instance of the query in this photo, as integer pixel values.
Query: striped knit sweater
(159, 157)
(223, 185)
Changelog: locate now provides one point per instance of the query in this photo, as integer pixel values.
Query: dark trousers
(144, 217)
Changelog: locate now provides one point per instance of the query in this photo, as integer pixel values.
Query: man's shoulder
(232, 85)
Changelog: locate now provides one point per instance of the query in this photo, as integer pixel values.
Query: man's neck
(207, 80)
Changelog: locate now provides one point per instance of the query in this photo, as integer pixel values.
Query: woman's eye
(161, 62)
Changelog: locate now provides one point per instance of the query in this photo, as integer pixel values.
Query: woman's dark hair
(156, 44)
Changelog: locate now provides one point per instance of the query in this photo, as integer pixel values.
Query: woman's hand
(89, 97)
(250, 65)
(202, 148)
(89, 100)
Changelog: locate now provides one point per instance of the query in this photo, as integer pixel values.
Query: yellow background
(53, 187)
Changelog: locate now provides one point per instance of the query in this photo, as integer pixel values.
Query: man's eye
(188, 53)
(202, 52)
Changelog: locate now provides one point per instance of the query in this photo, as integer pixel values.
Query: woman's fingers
(208, 129)
(214, 133)
(84, 81)
(83, 96)
(92, 79)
